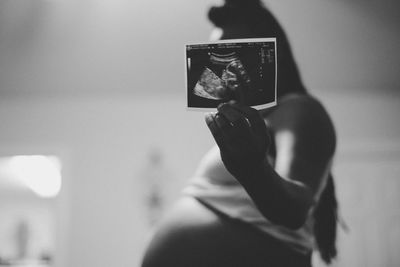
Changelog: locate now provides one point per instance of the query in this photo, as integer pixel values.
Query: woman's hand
(242, 136)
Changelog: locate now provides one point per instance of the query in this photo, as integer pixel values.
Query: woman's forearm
(281, 201)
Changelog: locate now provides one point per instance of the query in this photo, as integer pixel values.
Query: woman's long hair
(261, 23)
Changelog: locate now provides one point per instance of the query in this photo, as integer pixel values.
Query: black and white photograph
(187, 133)
(243, 70)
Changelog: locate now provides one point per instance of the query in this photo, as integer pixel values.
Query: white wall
(105, 46)
(82, 79)
(104, 144)
(25, 217)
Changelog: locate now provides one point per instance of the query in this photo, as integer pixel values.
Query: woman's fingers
(215, 129)
(253, 116)
(228, 132)
(238, 140)
(234, 118)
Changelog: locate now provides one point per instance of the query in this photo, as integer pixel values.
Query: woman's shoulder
(305, 117)
(300, 103)
(297, 109)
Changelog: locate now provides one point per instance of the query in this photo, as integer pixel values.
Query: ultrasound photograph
(243, 70)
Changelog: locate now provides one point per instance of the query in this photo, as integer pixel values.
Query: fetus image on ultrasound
(213, 86)
(241, 71)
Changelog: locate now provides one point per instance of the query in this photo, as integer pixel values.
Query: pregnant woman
(263, 195)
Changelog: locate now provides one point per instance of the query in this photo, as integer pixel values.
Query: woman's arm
(305, 143)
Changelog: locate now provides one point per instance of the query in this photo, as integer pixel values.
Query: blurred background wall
(100, 84)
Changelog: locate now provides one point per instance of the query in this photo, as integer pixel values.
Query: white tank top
(215, 186)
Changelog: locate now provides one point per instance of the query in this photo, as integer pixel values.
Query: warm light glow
(42, 174)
